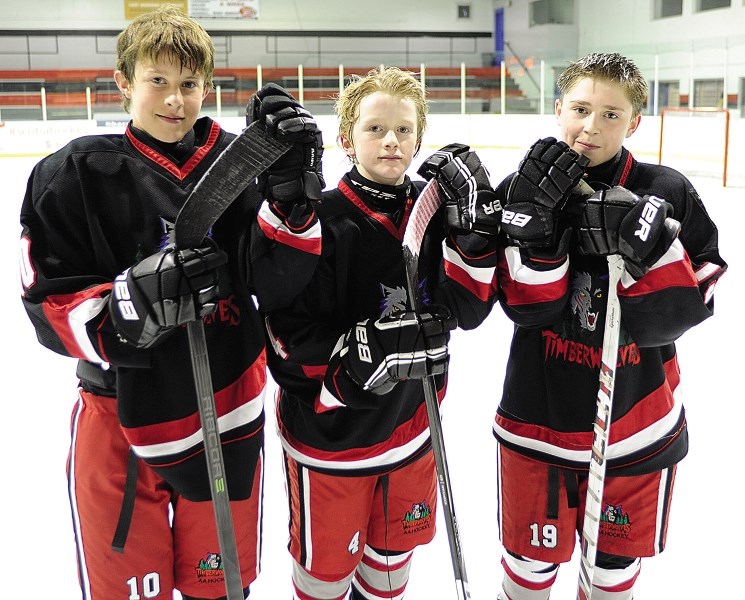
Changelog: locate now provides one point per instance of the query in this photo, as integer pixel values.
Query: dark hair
(608, 67)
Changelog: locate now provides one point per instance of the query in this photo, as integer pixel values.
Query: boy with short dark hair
(553, 279)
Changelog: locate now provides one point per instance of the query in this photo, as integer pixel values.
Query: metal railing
(93, 94)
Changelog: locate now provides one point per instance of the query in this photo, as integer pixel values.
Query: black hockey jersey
(98, 206)
(326, 421)
(549, 398)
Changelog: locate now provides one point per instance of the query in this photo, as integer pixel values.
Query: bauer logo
(491, 208)
(649, 212)
(123, 299)
(510, 217)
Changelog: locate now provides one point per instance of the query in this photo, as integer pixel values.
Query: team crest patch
(614, 522)
(395, 299)
(209, 569)
(418, 518)
(583, 301)
(168, 234)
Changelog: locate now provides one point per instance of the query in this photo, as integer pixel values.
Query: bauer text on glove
(405, 345)
(538, 193)
(165, 290)
(471, 204)
(617, 221)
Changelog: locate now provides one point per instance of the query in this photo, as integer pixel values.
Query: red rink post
(711, 125)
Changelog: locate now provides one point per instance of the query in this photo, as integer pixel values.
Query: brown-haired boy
(553, 278)
(103, 283)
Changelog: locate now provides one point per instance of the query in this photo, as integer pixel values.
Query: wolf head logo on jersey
(393, 300)
(582, 300)
(168, 235)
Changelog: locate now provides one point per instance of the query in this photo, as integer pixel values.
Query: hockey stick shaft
(446, 492)
(426, 205)
(215, 463)
(246, 157)
(601, 431)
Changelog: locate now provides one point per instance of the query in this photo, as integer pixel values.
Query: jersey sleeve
(65, 286)
(677, 293)
(467, 281)
(457, 269)
(284, 252)
(533, 285)
(305, 341)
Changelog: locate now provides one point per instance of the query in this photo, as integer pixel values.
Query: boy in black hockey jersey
(349, 354)
(98, 215)
(553, 279)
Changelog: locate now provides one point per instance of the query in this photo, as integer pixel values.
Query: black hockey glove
(539, 191)
(617, 221)
(405, 345)
(598, 218)
(297, 175)
(471, 203)
(165, 290)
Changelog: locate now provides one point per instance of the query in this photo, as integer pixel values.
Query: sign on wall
(198, 9)
(135, 8)
(224, 9)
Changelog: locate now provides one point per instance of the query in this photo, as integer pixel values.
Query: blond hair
(169, 30)
(613, 68)
(389, 80)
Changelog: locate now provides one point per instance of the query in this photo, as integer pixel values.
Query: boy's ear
(347, 146)
(122, 83)
(633, 125)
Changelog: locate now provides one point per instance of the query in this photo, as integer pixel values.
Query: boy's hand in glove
(297, 175)
(617, 221)
(165, 290)
(405, 345)
(471, 203)
(539, 191)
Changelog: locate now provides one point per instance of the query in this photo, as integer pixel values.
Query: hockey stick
(246, 157)
(427, 203)
(601, 429)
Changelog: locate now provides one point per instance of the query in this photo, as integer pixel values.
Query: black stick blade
(245, 158)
